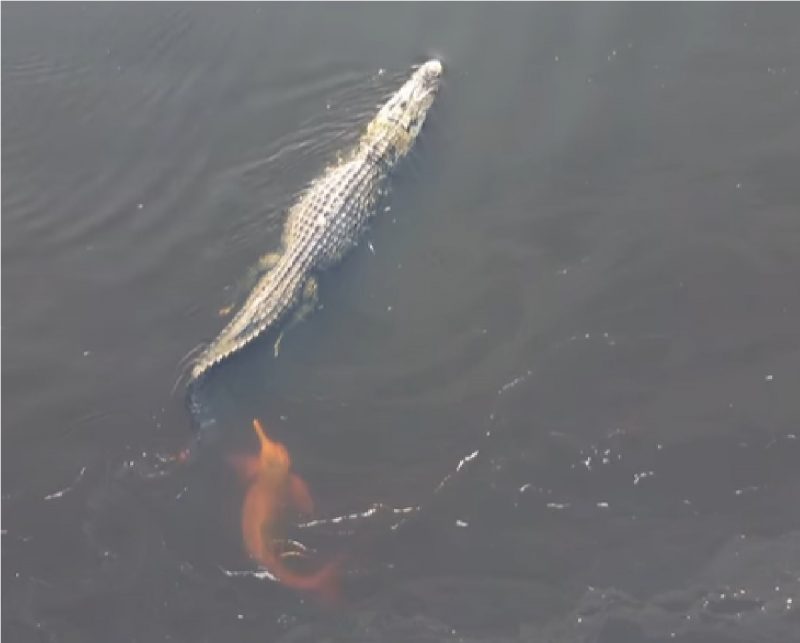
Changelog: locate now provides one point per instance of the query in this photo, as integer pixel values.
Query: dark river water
(551, 397)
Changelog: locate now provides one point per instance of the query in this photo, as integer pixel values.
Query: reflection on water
(551, 397)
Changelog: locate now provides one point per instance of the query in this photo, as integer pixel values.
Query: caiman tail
(203, 421)
(267, 304)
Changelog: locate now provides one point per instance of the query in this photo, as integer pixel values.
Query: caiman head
(400, 120)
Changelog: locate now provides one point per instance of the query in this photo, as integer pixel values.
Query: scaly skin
(327, 220)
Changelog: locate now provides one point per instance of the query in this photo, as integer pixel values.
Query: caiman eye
(403, 104)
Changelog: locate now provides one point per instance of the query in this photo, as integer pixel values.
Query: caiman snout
(433, 67)
(432, 70)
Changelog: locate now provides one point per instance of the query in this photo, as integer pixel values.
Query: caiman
(328, 219)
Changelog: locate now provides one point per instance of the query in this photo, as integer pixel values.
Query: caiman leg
(265, 264)
(308, 303)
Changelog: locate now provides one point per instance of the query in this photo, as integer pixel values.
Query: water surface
(562, 367)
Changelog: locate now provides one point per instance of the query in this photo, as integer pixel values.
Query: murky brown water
(558, 402)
